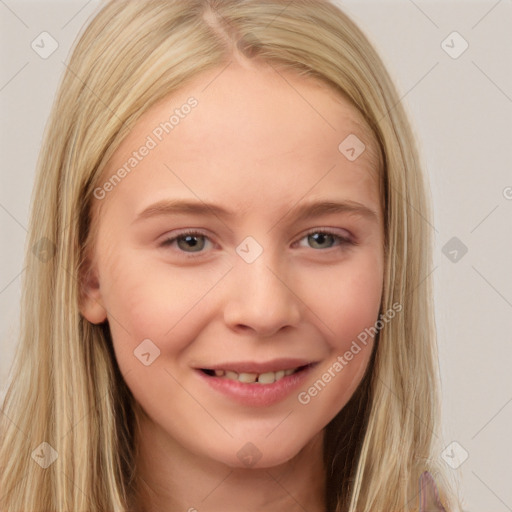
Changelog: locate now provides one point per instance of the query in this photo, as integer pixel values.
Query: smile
(256, 384)
(252, 378)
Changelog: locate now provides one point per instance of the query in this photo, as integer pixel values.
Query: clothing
(429, 495)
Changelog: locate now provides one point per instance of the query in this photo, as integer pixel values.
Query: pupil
(190, 242)
(319, 238)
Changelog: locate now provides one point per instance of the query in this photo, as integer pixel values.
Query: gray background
(461, 110)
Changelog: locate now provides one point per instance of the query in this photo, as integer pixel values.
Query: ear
(91, 301)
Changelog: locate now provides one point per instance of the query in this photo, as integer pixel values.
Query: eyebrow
(300, 212)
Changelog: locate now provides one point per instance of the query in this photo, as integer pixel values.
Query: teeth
(251, 378)
(248, 377)
(267, 378)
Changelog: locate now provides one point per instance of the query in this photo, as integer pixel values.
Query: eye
(325, 239)
(188, 242)
(193, 243)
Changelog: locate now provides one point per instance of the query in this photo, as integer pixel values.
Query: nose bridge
(259, 296)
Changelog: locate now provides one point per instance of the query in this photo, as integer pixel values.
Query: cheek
(348, 307)
(154, 302)
(351, 310)
(346, 299)
(359, 304)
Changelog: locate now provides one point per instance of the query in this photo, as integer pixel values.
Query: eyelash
(341, 240)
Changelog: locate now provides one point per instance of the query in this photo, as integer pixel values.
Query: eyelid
(330, 231)
(343, 240)
(184, 232)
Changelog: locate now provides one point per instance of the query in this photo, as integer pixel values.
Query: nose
(260, 300)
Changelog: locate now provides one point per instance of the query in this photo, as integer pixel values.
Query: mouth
(265, 378)
(257, 384)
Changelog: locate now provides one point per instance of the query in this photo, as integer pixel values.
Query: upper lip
(259, 367)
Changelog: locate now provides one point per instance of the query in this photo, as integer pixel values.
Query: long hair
(67, 390)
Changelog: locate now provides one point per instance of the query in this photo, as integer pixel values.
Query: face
(237, 258)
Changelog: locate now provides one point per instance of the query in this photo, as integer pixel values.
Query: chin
(261, 454)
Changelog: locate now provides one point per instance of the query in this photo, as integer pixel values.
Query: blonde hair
(67, 389)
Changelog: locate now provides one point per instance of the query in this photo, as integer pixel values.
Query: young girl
(226, 304)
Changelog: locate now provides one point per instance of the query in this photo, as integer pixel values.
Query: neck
(170, 478)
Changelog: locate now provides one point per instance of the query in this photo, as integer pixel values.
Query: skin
(260, 142)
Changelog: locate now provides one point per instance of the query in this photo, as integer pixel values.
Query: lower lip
(255, 394)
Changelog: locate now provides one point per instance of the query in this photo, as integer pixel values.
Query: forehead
(253, 129)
